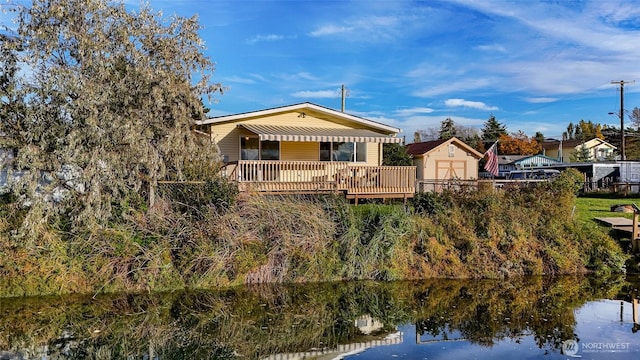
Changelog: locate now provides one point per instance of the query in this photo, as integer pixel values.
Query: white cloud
(319, 94)
(540, 100)
(306, 76)
(452, 87)
(492, 48)
(261, 38)
(330, 30)
(413, 111)
(469, 104)
(239, 80)
(412, 124)
(368, 27)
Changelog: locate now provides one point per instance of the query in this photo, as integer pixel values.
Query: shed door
(448, 169)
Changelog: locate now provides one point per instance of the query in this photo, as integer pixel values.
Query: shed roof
(422, 148)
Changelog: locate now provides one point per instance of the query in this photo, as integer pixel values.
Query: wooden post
(635, 233)
(634, 305)
(153, 185)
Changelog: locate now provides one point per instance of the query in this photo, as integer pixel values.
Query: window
(361, 152)
(251, 148)
(269, 150)
(343, 151)
(325, 151)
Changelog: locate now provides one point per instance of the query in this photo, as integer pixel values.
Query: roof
(298, 107)
(295, 133)
(512, 159)
(567, 144)
(423, 148)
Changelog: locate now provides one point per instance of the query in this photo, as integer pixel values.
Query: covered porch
(354, 180)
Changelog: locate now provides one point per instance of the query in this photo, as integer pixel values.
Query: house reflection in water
(634, 311)
(366, 324)
(634, 307)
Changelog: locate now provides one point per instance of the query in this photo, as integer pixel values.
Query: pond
(554, 318)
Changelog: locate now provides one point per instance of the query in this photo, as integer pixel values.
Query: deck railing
(306, 176)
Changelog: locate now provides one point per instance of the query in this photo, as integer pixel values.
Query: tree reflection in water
(259, 321)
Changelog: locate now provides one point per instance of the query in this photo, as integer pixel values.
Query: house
(508, 163)
(304, 148)
(567, 150)
(441, 161)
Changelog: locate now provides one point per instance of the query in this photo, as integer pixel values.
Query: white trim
(301, 106)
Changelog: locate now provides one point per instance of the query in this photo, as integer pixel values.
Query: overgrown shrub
(430, 203)
(195, 199)
(196, 238)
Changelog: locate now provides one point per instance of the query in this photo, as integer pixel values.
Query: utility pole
(621, 83)
(344, 93)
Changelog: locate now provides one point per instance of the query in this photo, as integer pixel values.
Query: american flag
(492, 162)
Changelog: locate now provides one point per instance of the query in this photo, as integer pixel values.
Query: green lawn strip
(588, 208)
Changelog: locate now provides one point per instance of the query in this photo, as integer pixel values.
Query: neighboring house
(566, 150)
(443, 160)
(508, 163)
(309, 148)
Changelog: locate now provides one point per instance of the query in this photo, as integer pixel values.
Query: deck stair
(630, 226)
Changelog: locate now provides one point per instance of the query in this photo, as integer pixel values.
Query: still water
(550, 318)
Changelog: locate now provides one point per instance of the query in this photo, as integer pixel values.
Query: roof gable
(322, 112)
(426, 147)
(567, 144)
(525, 159)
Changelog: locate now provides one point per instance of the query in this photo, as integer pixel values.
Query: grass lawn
(588, 208)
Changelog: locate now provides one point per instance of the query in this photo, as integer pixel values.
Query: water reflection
(294, 322)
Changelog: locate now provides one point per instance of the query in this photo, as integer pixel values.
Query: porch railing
(302, 176)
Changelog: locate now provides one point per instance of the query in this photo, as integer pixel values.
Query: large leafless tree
(98, 101)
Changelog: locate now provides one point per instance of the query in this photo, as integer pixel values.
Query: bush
(431, 203)
(195, 198)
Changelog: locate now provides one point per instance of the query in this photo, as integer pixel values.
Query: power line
(621, 115)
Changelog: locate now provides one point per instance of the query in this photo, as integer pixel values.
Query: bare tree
(635, 117)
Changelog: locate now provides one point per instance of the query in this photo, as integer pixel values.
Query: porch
(355, 181)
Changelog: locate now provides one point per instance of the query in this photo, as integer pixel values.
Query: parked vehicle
(538, 174)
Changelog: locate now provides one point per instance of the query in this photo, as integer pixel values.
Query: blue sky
(535, 65)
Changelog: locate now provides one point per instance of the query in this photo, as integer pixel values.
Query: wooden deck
(355, 181)
(616, 223)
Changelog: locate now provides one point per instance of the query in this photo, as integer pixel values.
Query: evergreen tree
(493, 129)
(447, 129)
(577, 133)
(581, 155)
(395, 155)
(570, 132)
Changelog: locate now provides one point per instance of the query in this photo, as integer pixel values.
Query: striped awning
(295, 133)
